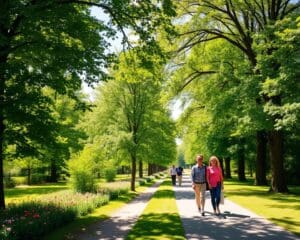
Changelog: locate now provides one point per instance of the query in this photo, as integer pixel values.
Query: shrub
(20, 180)
(81, 169)
(82, 182)
(37, 178)
(142, 182)
(110, 174)
(9, 182)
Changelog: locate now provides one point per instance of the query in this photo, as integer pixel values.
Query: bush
(81, 169)
(20, 180)
(142, 182)
(110, 174)
(37, 178)
(9, 182)
(82, 182)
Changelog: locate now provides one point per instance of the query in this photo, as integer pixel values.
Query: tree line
(236, 66)
(233, 63)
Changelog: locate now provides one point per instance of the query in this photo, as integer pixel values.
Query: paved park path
(120, 222)
(236, 222)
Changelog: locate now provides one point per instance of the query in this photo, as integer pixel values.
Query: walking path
(236, 222)
(120, 222)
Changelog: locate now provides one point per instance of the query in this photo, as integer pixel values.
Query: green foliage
(82, 170)
(280, 73)
(57, 45)
(37, 178)
(129, 122)
(110, 174)
(9, 182)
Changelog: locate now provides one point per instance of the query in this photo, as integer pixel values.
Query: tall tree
(237, 22)
(129, 116)
(57, 43)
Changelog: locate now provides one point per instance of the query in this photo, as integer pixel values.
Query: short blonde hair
(199, 156)
(214, 158)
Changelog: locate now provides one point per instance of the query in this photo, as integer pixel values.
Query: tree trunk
(140, 168)
(150, 169)
(2, 127)
(222, 165)
(53, 171)
(261, 158)
(278, 182)
(29, 176)
(3, 60)
(2, 200)
(133, 172)
(241, 160)
(227, 167)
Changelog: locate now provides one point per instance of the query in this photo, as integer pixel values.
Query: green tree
(129, 120)
(56, 44)
(237, 22)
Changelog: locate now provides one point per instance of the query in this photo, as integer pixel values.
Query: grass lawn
(160, 220)
(25, 193)
(282, 209)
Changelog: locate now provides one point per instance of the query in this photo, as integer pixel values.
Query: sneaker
(203, 214)
(199, 209)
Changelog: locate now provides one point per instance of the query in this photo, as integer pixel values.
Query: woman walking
(215, 182)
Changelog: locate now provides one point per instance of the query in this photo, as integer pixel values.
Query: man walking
(173, 174)
(179, 171)
(198, 177)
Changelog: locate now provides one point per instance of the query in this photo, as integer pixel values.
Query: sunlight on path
(235, 222)
(120, 222)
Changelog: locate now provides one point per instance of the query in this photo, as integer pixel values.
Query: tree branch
(194, 75)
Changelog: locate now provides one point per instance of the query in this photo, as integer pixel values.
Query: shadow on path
(234, 223)
(120, 222)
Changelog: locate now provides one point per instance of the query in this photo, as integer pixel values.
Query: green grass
(26, 193)
(160, 220)
(81, 224)
(282, 209)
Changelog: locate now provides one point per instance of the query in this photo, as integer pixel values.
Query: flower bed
(34, 219)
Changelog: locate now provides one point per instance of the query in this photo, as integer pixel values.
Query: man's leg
(174, 179)
(202, 194)
(197, 196)
(179, 180)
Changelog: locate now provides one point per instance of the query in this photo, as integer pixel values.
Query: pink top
(214, 175)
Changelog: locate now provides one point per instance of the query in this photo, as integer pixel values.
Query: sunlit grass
(160, 220)
(282, 209)
(25, 193)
